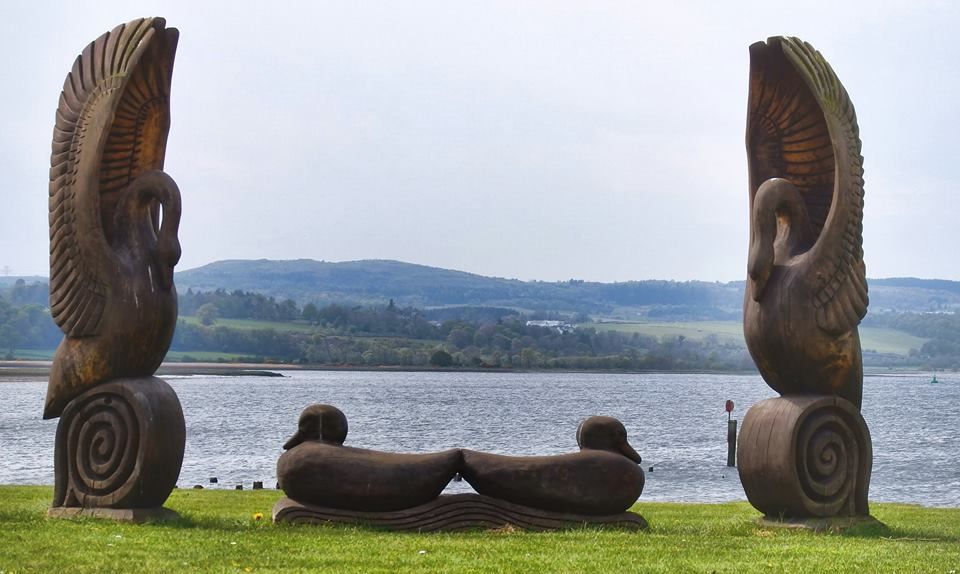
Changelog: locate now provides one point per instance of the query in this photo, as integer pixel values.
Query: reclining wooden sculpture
(603, 478)
(317, 469)
(328, 482)
(807, 453)
(120, 438)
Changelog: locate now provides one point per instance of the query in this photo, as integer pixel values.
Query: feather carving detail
(111, 126)
(803, 128)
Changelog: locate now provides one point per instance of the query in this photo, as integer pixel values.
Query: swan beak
(627, 451)
(296, 439)
(758, 284)
(167, 256)
(758, 270)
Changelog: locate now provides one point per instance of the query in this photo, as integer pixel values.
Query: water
(236, 425)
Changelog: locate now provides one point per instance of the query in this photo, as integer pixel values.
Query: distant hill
(448, 292)
(378, 281)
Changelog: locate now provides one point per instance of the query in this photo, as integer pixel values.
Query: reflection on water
(235, 426)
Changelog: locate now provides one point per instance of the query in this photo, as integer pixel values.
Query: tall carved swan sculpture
(806, 290)
(807, 287)
(111, 259)
(113, 220)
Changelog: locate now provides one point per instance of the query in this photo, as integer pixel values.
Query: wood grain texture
(119, 445)
(452, 513)
(111, 126)
(111, 259)
(806, 456)
(806, 289)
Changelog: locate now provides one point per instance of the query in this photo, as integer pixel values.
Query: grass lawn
(881, 340)
(217, 533)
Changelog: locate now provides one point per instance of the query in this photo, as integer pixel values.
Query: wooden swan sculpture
(113, 221)
(807, 453)
(806, 289)
(111, 258)
(317, 469)
(604, 478)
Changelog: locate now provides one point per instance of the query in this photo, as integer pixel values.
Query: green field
(32, 354)
(881, 340)
(251, 324)
(723, 330)
(204, 356)
(218, 532)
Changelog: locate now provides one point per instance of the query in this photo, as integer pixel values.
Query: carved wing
(111, 126)
(802, 127)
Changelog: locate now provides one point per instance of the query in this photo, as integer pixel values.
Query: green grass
(881, 340)
(217, 533)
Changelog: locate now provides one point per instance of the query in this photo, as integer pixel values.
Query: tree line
(476, 337)
(407, 336)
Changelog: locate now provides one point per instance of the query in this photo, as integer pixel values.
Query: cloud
(542, 140)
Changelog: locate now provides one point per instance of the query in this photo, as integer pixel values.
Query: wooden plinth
(451, 513)
(835, 525)
(137, 515)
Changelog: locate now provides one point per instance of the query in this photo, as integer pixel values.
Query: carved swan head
(781, 231)
(147, 196)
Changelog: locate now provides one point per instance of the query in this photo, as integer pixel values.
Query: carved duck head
(605, 433)
(324, 423)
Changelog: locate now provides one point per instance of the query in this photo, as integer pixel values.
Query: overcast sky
(537, 140)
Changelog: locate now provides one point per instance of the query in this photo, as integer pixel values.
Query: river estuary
(236, 425)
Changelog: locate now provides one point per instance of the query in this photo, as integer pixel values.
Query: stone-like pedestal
(805, 457)
(137, 515)
(836, 525)
(451, 513)
(119, 446)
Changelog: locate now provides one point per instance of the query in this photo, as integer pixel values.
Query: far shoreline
(40, 370)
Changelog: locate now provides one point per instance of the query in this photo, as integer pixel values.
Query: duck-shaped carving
(604, 478)
(317, 469)
(806, 289)
(111, 257)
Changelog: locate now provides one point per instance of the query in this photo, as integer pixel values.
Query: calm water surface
(236, 425)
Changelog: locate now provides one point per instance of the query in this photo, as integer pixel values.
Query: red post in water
(731, 436)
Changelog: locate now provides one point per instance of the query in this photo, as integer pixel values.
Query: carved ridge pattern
(102, 443)
(788, 137)
(119, 445)
(77, 295)
(806, 455)
(453, 512)
(841, 297)
(827, 459)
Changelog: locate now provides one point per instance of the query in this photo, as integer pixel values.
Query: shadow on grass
(915, 535)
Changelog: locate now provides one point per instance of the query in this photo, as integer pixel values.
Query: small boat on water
(934, 380)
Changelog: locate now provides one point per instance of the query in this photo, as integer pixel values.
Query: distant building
(560, 326)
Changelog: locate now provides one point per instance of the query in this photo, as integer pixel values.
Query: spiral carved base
(805, 457)
(119, 445)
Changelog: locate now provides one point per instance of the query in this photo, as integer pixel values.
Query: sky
(545, 140)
